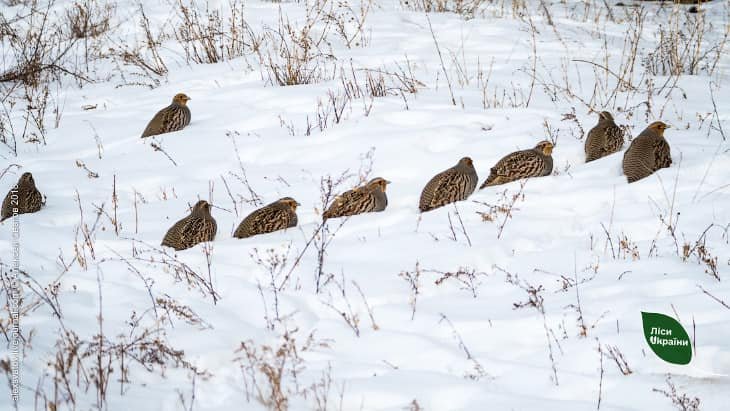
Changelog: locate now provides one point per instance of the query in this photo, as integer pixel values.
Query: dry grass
(83, 369)
(211, 35)
(274, 263)
(464, 8)
(614, 354)
(681, 401)
(88, 19)
(701, 252)
(359, 87)
(270, 373)
(143, 56)
(81, 365)
(37, 55)
(536, 300)
(505, 206)
(292, 54)
(40, 56)
(413, 279)
(348, 21)
(683, 46)
(467, 278)
(39, 50)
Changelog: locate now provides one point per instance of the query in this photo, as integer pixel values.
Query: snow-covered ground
(567, 274)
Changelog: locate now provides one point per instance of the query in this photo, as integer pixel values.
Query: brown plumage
(365, 199)
(535, 162)
(604, 139)
(647, 153)
(454, 184)
(279, 215)
(196, 228)
(24, 197)
(171, 118)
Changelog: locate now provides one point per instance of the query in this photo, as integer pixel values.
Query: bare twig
(443, 66)
(158, 147)
(722, 302)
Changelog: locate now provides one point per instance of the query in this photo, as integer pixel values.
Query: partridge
(279, 215)
(171, 118)
(454, 184)
(365, 199)
(535, 162)
(603, 139)
(23, 198)
(647, 153)
(196, 228)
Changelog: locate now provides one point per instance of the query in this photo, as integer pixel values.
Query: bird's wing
(594, 145)
(174, 236)
(429, 191)
(268, 219)
(339, 205)
(520, 164)
(154, 127)
(447, 188)
(170, 118)
(662, 154)
(359, 200)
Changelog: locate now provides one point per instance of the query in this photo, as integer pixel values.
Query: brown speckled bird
(24, 197)
(279, 215)
(196, 228)
(647, 153)
(365, 199)
(604, 139)
(171, 118)
(454, 184)
(535, 162)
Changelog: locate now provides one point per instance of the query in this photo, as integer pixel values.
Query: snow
(556, 235)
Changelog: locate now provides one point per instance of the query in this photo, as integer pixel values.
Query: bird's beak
(387, 182)
(297, 203)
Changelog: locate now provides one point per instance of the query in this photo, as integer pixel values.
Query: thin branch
(443, 66)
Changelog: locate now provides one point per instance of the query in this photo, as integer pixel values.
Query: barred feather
(536, 162)
(174, 117)
(454, 184)
(198, 227)
(29, 199)
(647, 153)
(365, 199)
(276, 216)
(604, 139)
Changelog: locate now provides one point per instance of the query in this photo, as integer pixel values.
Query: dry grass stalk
(681, 401)
(211, 35)
(465, 8)
(270, 373)
(88, 19)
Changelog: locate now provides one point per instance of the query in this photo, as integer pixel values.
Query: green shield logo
(667, 338)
